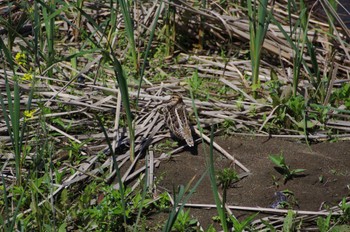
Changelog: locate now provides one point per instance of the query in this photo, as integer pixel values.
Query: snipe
(176, 118)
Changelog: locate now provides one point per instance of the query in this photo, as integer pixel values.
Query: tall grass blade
(310, 46)
(170, 29)
(298, 56)
(12, 120)
(129, 27)
(126, 101)
(113, 23)
(175, 211)
(259, 20)
(143, 197)
(7, 53)
(36, 31)
(298, 52)
(49, 22)
(219, 205)
(182, 198)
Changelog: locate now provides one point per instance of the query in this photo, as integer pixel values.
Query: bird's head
(175, 99)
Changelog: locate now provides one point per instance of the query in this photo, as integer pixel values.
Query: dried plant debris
(81, 85)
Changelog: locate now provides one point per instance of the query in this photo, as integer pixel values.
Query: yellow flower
(27, 77)
(20, 55)
(29, 114)
(30, 10)
(21, 58)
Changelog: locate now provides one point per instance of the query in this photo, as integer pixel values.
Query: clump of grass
(225, 178)
(259, 20)
(184, 222)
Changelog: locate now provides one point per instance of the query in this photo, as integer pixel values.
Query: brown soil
(328, 161)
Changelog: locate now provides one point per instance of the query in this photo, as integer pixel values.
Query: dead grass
(67, 108)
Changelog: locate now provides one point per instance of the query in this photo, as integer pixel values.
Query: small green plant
(163, 203)
(226, 177)
(195, 82)
(240, 226)
(228, 125)
(283, 168)
(108, 213)
(74, 151)
(345, 208)
(321, 179)
(324, 224)
(336, 223)
(275, 181)
(165, 145)
(184, 222)
(296, 105)
(341, 96)
(289, 225)
(211, 229)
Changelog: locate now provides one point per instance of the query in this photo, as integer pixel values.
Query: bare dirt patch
(325, 182)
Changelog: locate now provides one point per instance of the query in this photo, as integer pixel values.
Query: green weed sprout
(324, 224)
(226, 178)
(184, 222)
(345, 208)
(243, 225)
(283, 168)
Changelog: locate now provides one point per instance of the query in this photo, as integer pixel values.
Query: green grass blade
(12, 118)
(259, 20)
(4, 109)
(181, 198)
(7, 211)
(309, 44)
(113, 23)
(129, 31)
(36, 31)
(174, 212)
(49, 21)
(288, 224)
(7, 53)
(143, 197)
(126, 101)
(15, 117)
(298, 59)
(219, 205)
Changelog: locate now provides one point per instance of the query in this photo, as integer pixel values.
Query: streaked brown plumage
(176, 118)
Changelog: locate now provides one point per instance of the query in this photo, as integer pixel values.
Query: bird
(176, 118)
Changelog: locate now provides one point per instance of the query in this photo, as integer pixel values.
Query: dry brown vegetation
(200, 52)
